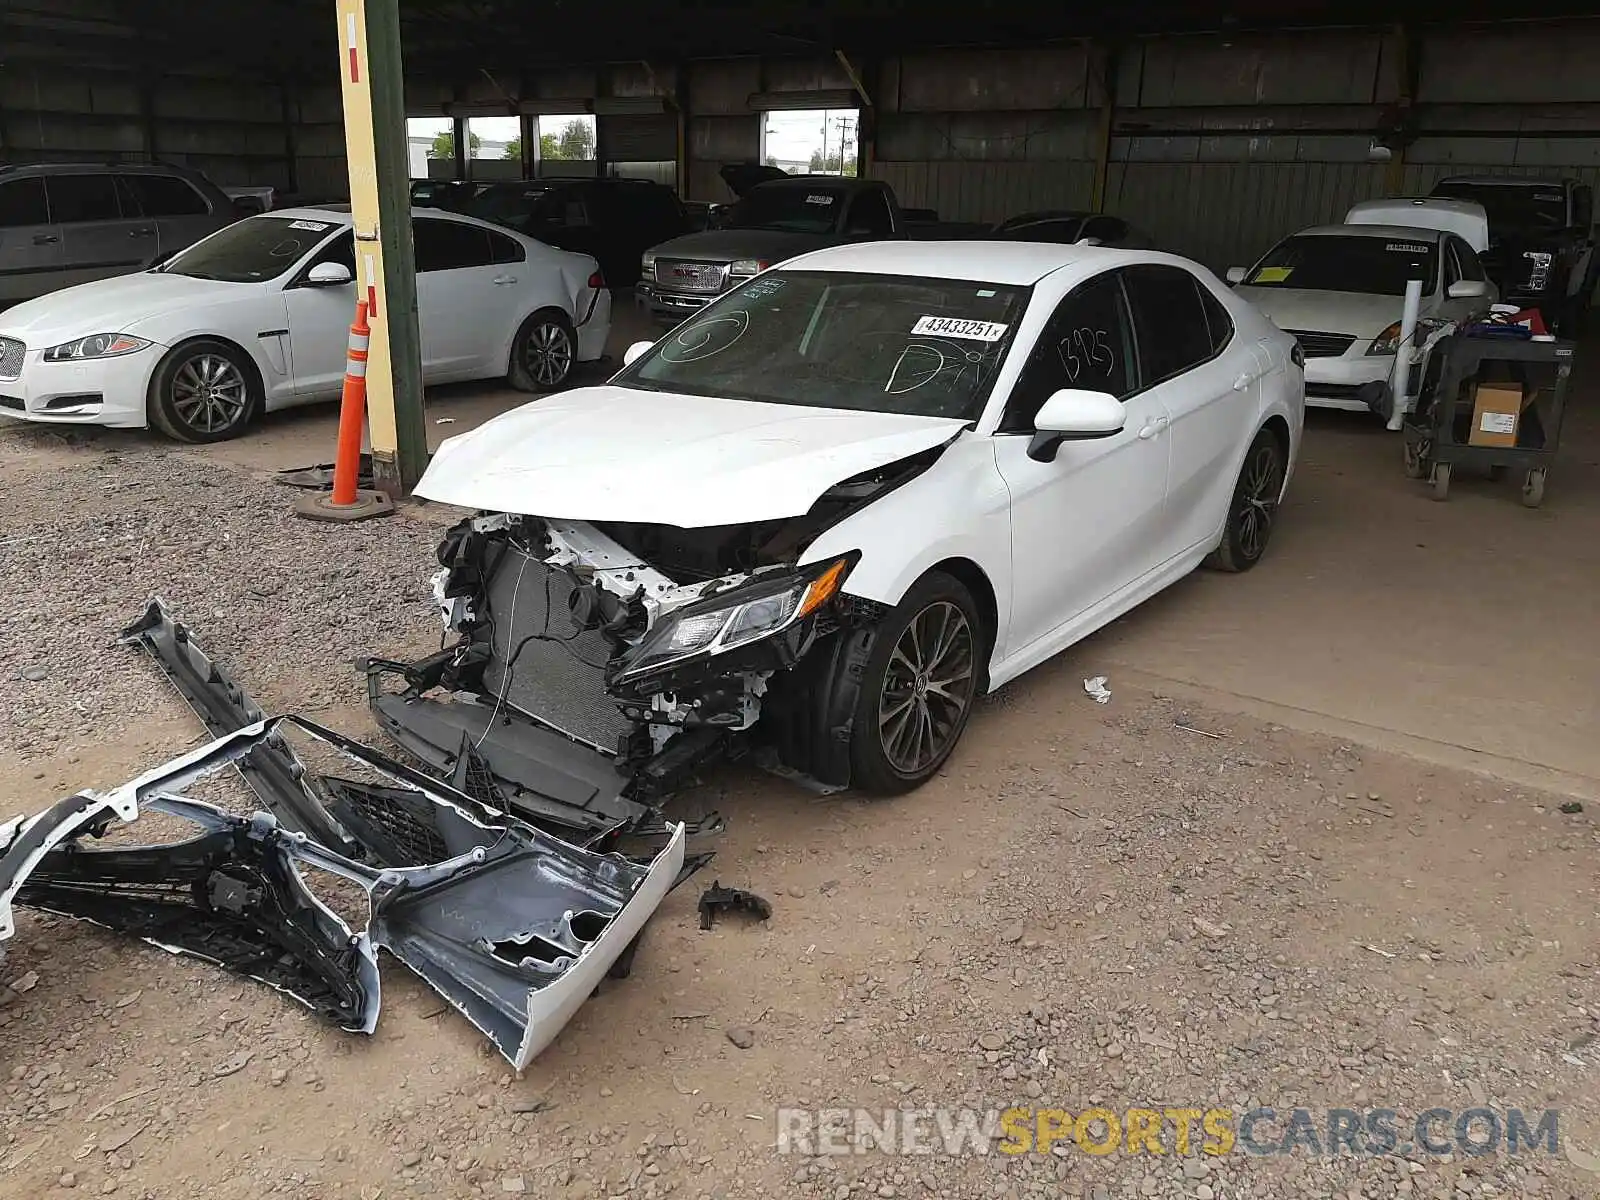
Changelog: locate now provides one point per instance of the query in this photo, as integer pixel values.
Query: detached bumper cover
(512, 925)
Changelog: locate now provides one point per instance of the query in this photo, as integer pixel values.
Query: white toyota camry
(257, 317)
(824, 515)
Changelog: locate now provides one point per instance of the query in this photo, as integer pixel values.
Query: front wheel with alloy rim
(1253, 508)
(204, 391)
(543, 353)
(921, 680)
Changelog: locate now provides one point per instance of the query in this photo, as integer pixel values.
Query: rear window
(1376, 266)
(792, 209)
(1520, 206)
(512, 204)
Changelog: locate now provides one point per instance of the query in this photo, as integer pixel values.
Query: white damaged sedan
(257, 317)
(819, 519)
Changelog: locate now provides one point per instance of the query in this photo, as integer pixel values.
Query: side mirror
(1089, 241)
(1468, 289)
(1074, 415)
(329, 274)
(1237, 274)
(634, 352)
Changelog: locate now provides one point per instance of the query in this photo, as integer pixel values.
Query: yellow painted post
(380, 207)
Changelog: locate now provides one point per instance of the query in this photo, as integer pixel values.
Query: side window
(22, 203)
(1452, 263)
(165, 196)
(869, 214)
(1169, 319)
(505, 250)
(78, 198)
(1467, 259)
(448, 245)
(341, 249)
(1218, 323)
(1085, 344)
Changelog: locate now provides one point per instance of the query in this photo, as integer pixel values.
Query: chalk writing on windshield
(924, 362)
(705, 338)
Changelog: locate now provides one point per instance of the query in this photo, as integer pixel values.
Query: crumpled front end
(655, 647)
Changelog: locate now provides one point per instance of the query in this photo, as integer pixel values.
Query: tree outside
(575, 140)
(835, 162)
(444, 145)
(513, 150)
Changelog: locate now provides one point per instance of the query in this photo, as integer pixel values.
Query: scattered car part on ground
(818, 520)
(512, 926)
(718, 899)
(320, 476)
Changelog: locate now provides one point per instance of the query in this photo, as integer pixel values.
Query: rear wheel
(543, 352)
(204, 391)
(918, 688)
(1254, 507)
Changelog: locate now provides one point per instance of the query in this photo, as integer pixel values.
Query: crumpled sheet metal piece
(515, 929)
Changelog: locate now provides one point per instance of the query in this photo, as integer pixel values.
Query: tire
(903, 729)
(543, 353)
(1439, 481)
(204, 391)
(1253, 508)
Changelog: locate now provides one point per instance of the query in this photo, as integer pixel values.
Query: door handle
(504, 280)
(1244, 381)
(45, 239)
(141, 233)
(1152, 428)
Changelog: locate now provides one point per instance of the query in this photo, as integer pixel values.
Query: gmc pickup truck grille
(691, 276)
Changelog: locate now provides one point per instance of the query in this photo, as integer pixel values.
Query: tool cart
(1492, 401)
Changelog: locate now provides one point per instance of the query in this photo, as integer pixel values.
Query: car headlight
(647, 265)
(738, 617)
(1386, 342)
(96, 345)
(745, 267)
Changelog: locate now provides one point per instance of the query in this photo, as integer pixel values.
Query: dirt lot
(1146, 904)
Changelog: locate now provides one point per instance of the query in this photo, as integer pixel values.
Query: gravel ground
(88, 535)
(1136, 905)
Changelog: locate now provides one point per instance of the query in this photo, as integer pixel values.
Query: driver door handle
(504, 280)
(1152, 428)
(1245, 380)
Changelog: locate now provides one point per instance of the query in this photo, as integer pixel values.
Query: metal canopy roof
(458, 37)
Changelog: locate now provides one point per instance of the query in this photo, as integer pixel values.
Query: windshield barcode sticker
(976, 331)
(309, 226)
(1406, 248)
(819, 198)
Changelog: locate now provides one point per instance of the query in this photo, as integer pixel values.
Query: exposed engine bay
(659, 648)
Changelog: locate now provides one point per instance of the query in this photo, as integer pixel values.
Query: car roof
(1508, 180)
(1414, 233)
(1012, 263)
(338, 213)
(77, 168)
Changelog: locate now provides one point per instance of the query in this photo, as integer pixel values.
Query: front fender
(958, 508)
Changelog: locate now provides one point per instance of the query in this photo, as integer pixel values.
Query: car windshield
(1375, 265)
(1513, 205)
(511, 204)
(789, 208)
(831, 339)
(252, 250)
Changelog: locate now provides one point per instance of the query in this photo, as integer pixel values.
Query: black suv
(613, 220)
(1541, 240)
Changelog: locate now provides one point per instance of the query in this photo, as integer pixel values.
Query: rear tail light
(597, 281)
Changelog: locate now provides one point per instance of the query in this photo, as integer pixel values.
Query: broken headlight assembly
(96, 345)
(1387, 341)
(738, 617)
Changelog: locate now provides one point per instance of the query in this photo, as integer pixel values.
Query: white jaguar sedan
(257, 317)
(834, 507)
